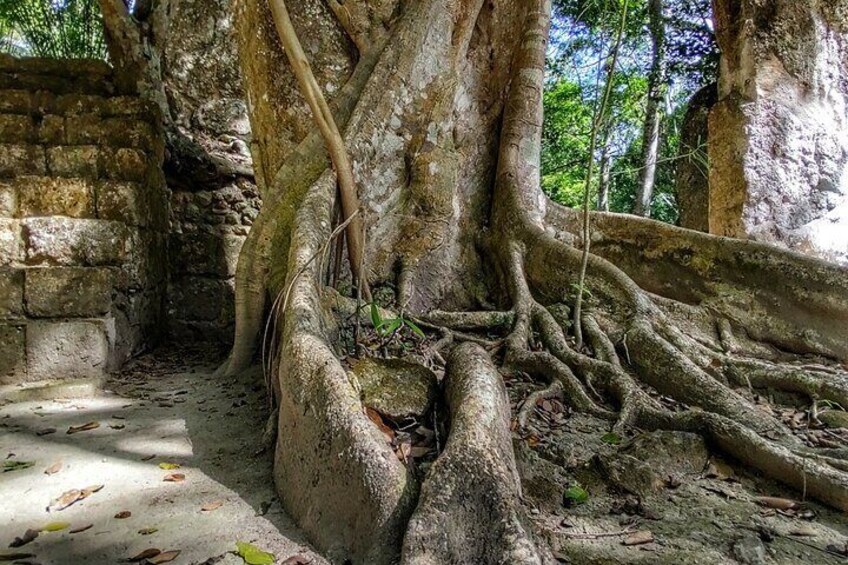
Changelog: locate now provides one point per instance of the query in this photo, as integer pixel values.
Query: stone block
(51, 130)
(46, 196)
(12, 353)
(78, 104)
(200, 299)
(200, 253)
(146, 263)
(69, 242)
(67, 350)
(8, 199)
(73, 161)
(16, 128)
(11, 242)
(123, 164)
(11, 293)
(58, 292)
(123, 202)
(15, 101)
(22, 160)
(85, 129)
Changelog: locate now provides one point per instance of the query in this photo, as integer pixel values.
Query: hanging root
(469, 508)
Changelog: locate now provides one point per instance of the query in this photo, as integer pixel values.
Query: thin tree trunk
(656, 89)
(604, 170)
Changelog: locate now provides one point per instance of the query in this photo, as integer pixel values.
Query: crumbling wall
(83, 221)
(779, 133)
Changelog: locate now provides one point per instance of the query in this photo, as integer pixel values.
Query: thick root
(469, 510)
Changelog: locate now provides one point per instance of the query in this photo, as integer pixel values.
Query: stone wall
(779, 133)
(83, 221)
(692, 172)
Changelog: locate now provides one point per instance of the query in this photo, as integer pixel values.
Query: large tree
(439, 105)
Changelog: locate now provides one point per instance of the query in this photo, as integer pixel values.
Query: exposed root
(554, 390)
(469, 510)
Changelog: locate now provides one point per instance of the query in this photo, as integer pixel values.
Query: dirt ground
(647, 498)
(164, 408)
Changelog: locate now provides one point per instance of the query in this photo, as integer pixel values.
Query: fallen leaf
(15, 556)
(88, 491)
(123, 514)
(297, 560)
(84, 428)
(377, 418)
(117, 426)
(174, 478)
(55, 526)
(720, 470)
(148, 457)
(146, 554)
(575, 495)
(778, 503)
(81, 529)
(611, 438)
(639, 538)
(803, 531)
(45, 432)
(64, 500)
(420, 451)
(28, 536)
(54, 468)
(169, 466)
(164, 557)
(17, 465)
(148, 531)
(210, 506)
(252, 555)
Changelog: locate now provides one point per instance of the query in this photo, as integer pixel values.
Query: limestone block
(12, 353)
(22, 160)
(47, 196)
(123, 202)
(51, 130)
(199, 298)
(67, 350)
(123, 164)
(16, 128)
(78, 104)
(64, 241)
(8, 199)
(11, 242)
(57, 292)
(201, 253)
(73, 161)
(11, 293)
(15, 101)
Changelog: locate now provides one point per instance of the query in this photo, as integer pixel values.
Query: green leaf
(169, 466)
(415, 329)
(393, 326)
(376, 319)
(611, 438)
(17, 465)
(252, 555)
(55, 527)
(575, 495)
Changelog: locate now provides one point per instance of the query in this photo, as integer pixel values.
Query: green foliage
(386, 327)
(611, 438)
(252, 555)
(575, 495)
(62, 29)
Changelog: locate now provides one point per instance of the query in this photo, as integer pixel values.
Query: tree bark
(442, 117)
(657, 79)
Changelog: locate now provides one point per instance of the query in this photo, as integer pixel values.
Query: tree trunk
(656, 93)
(439, 105)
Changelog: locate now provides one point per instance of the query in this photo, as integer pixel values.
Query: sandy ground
(164, 408)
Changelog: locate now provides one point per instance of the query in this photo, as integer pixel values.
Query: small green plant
(611, 438)
(575, 495)
(386, 327)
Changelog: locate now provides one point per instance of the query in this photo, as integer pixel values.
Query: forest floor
(164, 409)
(595, 497)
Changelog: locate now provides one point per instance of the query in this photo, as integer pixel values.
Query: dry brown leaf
(80, 529)
(84, 428)
(28, 536)
(148, 531)
(174, 478)
(210, 506)
(778, 503)
(420, 451)
(638, 538)
(803, 531)
(89, 490)
(297, 560)
(377, 418)
(146, 554)
(54, 468)
(45, 432)
(164, 557)
(148, 457)
(123, 514)
(64, 500)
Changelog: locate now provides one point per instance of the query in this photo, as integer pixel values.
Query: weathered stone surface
(200, 298)
(396, 388)
(123, 164)
(692, 172)
(13, 101)
(67, 350)
(22, 160)
(11, 293)
(12, 353)
(64, 241)
(834, 418)
(643, 465)
(8, 199)
(48, 196)
(54, 292)
(11, 242)
(73, 161)
(201, 253)
(16, 128)
(779, 134)
(51, 130)
(123, 202)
